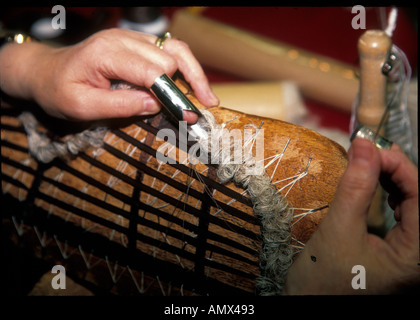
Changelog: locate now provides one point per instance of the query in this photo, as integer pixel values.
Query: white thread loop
(392, 22)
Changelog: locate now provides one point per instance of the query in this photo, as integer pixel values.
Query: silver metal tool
(175, 102)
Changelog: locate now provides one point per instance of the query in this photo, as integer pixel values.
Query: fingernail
(190, 116)
(213, 99)
(361, 151)
(150, 105)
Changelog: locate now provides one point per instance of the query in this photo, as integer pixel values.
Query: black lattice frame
(74, 235)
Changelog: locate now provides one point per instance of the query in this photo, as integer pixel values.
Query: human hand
(74, 82)
(342, 241)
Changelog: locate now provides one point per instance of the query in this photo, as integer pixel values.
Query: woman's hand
(342, 241)
(74, 82)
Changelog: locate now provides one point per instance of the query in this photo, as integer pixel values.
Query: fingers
(356, 189)
(358, 184)
(175, 54)
(400, 179)
(135, 58)
(130, 56)
(189, 116)
(190, 68)
(97, 103)
(192, 71)
(399, 171)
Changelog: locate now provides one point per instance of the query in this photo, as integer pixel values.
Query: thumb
(358, 184)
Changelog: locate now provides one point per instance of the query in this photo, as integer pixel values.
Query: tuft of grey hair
(269, 206)
(45, 150)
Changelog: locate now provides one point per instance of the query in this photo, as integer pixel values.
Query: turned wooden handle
(255, 57)
(374, 47)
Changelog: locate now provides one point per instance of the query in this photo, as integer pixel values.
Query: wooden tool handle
(257, 58)
(374, 46)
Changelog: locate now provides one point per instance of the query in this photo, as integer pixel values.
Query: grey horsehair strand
(45, 150)
(269, 206)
